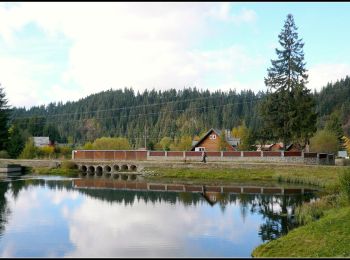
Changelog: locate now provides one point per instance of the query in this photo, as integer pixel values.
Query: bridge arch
(132, 168)
(91, 170)
(107, 168)
(99, 171)
(116, 167)
(124, 167)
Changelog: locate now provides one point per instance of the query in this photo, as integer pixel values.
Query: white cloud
(321, 74)
(117, 45)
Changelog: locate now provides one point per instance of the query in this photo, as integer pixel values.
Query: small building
(270, 147)
(40, 141)
(295, 147)
(211, 141)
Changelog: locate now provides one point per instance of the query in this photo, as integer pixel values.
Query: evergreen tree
(4, 116)
(288, 108)
(334, 125)
(16, 142)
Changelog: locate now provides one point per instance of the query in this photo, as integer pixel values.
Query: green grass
(327, 237)
(56, 171)
(323, 176)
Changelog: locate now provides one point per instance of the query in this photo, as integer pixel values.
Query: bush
(4, 154)
(324, 142)
(29, 151)
(68, 165)
(313, 210)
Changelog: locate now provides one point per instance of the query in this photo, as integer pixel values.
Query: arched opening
(99, 171)
(124, 177)
(107, 168)
(84, 174)
(116, 168)
(84, 168)
(124, 167)
(133, 168)
(91, 170)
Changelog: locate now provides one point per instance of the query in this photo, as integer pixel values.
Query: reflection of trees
(4, 210)
(277, 211)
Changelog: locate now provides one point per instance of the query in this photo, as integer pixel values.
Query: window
(199, 149)
(212, 137)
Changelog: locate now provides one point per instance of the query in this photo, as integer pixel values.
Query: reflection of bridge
(136, 185)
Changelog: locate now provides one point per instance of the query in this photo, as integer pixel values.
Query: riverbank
(327, 237)
(322, 176)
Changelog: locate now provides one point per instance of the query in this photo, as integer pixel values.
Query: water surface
(50, 217)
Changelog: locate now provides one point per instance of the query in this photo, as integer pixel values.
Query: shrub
(68, 165)
(313, 210)
(4, 154)
(324, 141)
(29, 151)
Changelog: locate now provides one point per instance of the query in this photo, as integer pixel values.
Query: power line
(130, 107)
(138, 115)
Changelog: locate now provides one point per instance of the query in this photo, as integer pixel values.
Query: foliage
(68, 165)
(88, 146)
(288, 108)
(65, 151)
(16, 141)
(51, 131)
(111, 143)
(4, 116)
(334, 125)
(324, 142)
(165, 143)
(29, 150)
(346, 141)
(46, 151)
(222, 141)
(185, 143)
(311, 211)
(4, 154)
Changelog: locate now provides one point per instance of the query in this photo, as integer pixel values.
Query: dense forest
(156, 114)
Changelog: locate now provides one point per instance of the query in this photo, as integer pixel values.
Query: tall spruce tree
(288, 109)
(4, 116)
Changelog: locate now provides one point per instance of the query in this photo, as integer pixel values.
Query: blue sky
(52, 52)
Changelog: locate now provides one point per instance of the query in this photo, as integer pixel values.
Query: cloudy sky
(53, 52)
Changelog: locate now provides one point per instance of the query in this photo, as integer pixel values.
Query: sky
(65, 51)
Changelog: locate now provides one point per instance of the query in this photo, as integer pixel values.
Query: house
(211, 141)
(270, 147)
(40, 141)
(295, 147)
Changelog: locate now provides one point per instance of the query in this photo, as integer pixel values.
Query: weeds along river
(54, 217)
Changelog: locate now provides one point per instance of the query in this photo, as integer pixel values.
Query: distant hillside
(335, 98)
(124, 113)
(165, 113)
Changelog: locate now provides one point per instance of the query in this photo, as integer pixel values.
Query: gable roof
(231, 140)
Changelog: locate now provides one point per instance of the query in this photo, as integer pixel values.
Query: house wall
(212, 145)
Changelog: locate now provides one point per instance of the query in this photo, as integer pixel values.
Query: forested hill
(156, 113)
(165, 113)
(335, 98)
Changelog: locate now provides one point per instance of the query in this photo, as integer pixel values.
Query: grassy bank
(327, 237)
(322, 176)
(66, 169)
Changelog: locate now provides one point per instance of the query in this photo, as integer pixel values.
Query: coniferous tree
(4, 116)
(288, 108)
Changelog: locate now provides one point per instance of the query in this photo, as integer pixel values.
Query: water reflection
(45, 218)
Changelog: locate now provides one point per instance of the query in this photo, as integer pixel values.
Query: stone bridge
(116, 170)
